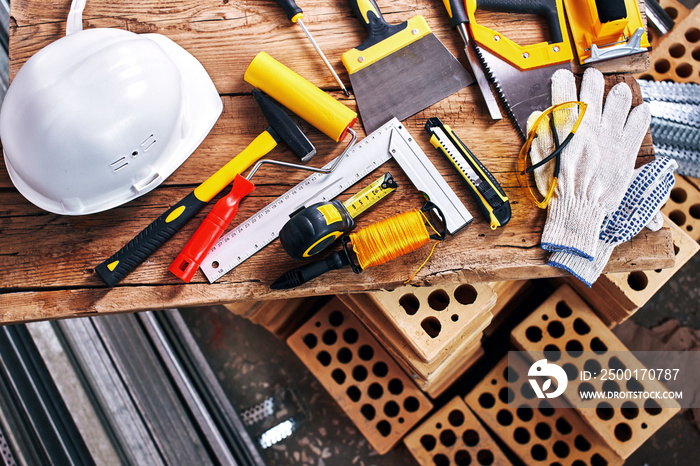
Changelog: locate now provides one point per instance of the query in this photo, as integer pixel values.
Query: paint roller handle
(456, 12)
(371, 17)
(546, 8)
(293, 11)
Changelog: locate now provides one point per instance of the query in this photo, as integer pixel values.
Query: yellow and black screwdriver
(294, 14)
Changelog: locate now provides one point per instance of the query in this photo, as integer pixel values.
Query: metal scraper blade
(522, 91)
(406, 82)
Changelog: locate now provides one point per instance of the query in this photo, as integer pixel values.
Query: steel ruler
(263, 227)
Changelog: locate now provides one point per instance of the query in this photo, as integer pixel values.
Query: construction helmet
(102, 116)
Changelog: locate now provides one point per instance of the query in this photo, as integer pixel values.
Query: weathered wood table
(47, 261)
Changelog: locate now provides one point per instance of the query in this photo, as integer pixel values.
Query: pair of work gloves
(600, 200)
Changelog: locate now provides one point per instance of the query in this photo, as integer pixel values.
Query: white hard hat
(102, 116)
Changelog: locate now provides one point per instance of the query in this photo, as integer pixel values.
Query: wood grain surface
(47, 261)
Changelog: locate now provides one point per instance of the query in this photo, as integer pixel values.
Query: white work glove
(596, 166)
(648, 192)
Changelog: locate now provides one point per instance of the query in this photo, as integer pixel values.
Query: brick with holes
(531, 428)
(683, 207)
(617, 296)
(366, 383)
(565, 331)
(453, 435)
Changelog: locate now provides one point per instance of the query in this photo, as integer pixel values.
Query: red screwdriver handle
(211, 229)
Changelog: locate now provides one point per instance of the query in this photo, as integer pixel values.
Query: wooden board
(48, 260)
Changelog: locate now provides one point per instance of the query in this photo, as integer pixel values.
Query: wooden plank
(48, 260)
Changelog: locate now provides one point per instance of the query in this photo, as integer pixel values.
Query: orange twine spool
(391, 238)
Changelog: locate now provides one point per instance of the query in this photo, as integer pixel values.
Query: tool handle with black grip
(456, 12)
(546, 8)
(291, 8)
(300, 275)
(151, 238)
(371, 17)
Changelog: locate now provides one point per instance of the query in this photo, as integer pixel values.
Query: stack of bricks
(675, 56)
(434, 333)
(565, 331)
(368, 385)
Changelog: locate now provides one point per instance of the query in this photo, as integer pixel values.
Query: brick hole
(455, 418)
(676, 249)
(672, 12)
(581, 327)
(438, 300)
(353, 393)
(662, 66)
(638, 280)
(336, 318)
(470, 437)
(579, 463)
(454, 318)
(585, 387)
(689, 228)
(375, 391)
(696, 54)
(592, 366)
(506, 395)
(329, 337)
(324, 358)
(646, 77)
(545, 317)
(411, 404)
(525, 413)
(521, 435)
(574, 348)
(597, 460)
(359, 373)
(694, 211)
(409, 303)
(644, 425)
(563, 309)
(463, 458)
(310, 340)
(652, 407)
(380, 369)
(629, 410)
(510, 375)
(633, 385)
(432, 326)
(552, 352)
(581, 443)
(339, 376)
(428, 442)
(391, 409)
(676, 50)
(368, 412)
(561, 449)
(604, 411)
(597, 346)
(563, 426)
(623, 432)
(384, 429)
(611, 386)
(365, 352)
(545, 408)
(350, 336)
(486, 400)
(485, 457)
(448, 437)
(527, 392)
(317, 324)
(441, 460)
(555, 329)
(504, 418)
(395, 386)
(571, 371)
(684, 70)
(677, 217)
(401, 420)
(534, 334)
(679, 195)
(538, 452)
(615, 364)
(466, 294)
(543, 431)
(344, 355)
(692, 35)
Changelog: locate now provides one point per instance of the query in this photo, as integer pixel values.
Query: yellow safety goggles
(525, 169)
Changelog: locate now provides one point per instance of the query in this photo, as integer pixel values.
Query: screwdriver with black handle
(294, 14)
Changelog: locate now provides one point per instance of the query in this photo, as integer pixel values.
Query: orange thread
(391, 238)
